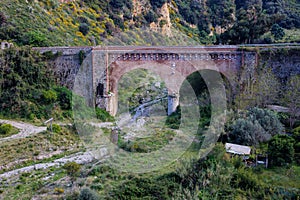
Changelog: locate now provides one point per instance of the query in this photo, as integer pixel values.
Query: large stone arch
(172, 72)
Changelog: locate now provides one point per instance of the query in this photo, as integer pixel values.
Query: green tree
(277, 32)
(246, 132)
(221, 12)
(267, 119)
(291, 98)
(250, 24)
(259, 125)
(267, 88)
(281, 150)
(84, 28)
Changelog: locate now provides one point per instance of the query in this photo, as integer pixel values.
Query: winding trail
(80, 158)
(29, 129)
(25, 129)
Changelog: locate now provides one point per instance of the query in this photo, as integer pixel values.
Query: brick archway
(172, 72)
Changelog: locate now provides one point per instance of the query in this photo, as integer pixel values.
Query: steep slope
(91, 22)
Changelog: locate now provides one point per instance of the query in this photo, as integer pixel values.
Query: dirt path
(80, 158)
(25, 129)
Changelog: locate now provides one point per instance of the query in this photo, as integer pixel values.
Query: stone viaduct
(94, 72)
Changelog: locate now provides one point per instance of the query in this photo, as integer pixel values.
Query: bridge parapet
(144, 56)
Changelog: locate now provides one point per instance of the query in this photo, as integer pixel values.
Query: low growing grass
(25, 151)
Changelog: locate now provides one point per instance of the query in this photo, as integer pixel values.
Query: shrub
(162, 23)
(5, 129)
(88, 194)
(245, 179)
(59, 190)
(247, 133)
(64, 97)
(257, 126)
(267, 119)
(281, 150)
(56, 128)
(173, 121)
(72, 168)
(35, 38)
(84, 28)
(103, 115)
(118, 21)
(277, 32)
(49, 96)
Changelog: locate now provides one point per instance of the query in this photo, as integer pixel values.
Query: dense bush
(277, 32)
(281, 150)
(248, 133)
(103, 115)
(56, 128)
(5, 129)
(26, 84)
(72, 169)
(258, 125)
(64, 97)
(49, 96)
(267, 119)
(88, 194)
(35, 38)
(84, 28)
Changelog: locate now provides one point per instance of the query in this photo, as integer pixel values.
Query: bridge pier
(173, 102)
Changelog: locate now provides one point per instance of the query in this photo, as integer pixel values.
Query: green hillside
(90, 22)
(56, 161)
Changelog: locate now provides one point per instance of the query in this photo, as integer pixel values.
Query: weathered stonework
(96, 78)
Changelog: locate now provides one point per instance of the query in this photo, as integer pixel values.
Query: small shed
(237, 149)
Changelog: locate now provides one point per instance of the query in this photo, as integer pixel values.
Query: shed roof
(237, 149)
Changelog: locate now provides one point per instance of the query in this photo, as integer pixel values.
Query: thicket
(28, 88)
(6, 129)
(216, 177)
(281, 149)
(255, 126)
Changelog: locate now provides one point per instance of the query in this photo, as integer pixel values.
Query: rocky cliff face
(163, 24)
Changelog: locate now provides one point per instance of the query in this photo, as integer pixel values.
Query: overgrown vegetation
(89, 22)
(29, 91)
(28, 88)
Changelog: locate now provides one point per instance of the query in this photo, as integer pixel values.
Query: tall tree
(292, 98)
(266, 88)
(281, 149)
(251, 22)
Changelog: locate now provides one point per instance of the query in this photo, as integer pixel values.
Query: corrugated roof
(237, 149)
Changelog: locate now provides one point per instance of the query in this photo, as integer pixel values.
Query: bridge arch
(172, 72)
